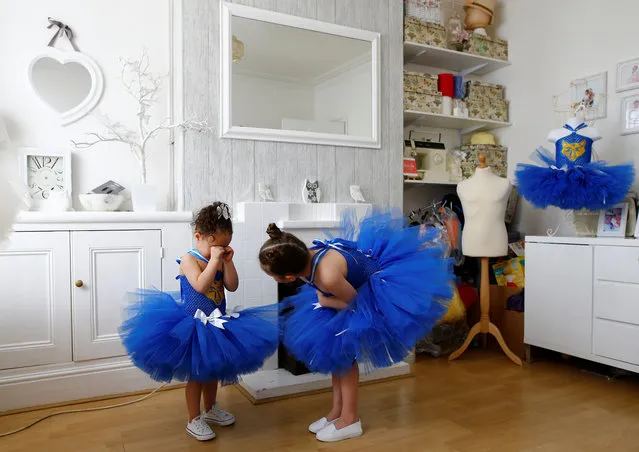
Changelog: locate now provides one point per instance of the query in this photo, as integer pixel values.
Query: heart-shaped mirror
(70, 83)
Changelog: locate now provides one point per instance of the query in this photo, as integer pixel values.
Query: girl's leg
(337, 400)
(349, 386)
(193, 393)
(210, 394)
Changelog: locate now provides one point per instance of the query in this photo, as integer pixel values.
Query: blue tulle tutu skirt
(398, 305)
(593, 186)
(167, 342)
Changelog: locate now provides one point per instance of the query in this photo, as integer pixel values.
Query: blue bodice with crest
(360, 264)
(207, 302)
(574, 149)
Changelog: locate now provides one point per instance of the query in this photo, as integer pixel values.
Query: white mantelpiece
(308, 222)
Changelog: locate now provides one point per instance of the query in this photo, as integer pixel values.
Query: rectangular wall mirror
(286, 78)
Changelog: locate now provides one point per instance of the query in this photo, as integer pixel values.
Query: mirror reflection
(62, 86)
(290, 78)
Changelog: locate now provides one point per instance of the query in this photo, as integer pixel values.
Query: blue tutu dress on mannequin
(569, 179)
(403, 283)
(189, 336)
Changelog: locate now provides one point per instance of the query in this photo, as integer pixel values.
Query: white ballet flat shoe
(331, 434)
(319, 425)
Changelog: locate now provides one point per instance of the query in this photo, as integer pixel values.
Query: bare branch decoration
(144, 86)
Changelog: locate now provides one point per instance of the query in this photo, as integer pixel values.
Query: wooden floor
(480, 403)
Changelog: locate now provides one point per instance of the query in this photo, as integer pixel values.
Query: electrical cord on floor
(82, 410)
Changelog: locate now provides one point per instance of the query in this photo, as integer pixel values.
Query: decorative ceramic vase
(144, 198)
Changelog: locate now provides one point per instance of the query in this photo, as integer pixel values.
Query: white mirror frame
(97, 82)
(228, 130)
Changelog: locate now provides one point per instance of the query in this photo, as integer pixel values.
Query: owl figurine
(356, 193)
(311, 192)
(264, 193)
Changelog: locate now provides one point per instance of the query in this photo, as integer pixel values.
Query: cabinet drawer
(616, 340)
(616, 263)
(617, 301)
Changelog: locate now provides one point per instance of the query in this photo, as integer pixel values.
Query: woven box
(496, 158)
(484, 90)
(421, 32)
(426, 103)
(488, 109)
(418, 82)
(487, 47)
(426, 10)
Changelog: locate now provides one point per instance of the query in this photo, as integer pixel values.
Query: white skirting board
(274, 384)
(67, 385)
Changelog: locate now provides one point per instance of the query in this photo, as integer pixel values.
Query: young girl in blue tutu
(190, 337)
(369, 297)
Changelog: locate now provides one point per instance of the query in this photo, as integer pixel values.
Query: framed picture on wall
(591, 95)
(630, 115)
(628, 75)
(612, 221)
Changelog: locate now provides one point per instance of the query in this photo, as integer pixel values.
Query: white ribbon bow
(214, 319)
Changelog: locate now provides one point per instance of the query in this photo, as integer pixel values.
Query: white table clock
(47, 174)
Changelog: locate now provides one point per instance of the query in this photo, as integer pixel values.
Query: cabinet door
(559, 281)
(35, 298)
(106, 266)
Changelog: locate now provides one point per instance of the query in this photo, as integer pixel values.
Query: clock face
(45, 175)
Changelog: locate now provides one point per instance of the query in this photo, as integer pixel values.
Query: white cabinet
(35, 299)
(582, 298)
(64, 280)
(559, 297)
(105, 266)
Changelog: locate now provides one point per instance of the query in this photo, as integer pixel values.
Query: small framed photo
(590, 94)
(612, 221)
(628, 75)
(630, 115)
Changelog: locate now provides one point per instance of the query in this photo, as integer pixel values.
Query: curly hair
(283, 254)
(214, 218)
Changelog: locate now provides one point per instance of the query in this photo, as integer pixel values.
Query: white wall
(106, 31)
(347, 97)
(260, 102)
(551, 43)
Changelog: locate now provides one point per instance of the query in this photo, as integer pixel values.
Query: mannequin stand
(484, 325)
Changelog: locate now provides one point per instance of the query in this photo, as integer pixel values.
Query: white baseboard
(62, 385)
(274, 384)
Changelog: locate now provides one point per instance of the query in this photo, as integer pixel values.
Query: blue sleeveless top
(206, 302)
(574, 149)
(360, 266)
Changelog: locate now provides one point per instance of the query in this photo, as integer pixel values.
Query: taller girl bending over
(370, 296)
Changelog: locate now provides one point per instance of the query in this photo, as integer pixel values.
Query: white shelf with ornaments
(465, 125)
(452, 60)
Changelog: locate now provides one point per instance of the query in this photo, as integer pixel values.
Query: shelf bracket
(472, 129)
(470, 70)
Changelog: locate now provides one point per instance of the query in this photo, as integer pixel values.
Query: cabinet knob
(79, 283)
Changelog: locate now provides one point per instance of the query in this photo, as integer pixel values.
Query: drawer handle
(79, 283)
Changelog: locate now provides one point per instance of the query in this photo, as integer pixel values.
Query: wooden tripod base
(485, 326)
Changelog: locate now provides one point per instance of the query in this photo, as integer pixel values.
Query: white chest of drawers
(582, 298)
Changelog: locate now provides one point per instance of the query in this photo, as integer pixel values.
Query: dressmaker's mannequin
(484, 198)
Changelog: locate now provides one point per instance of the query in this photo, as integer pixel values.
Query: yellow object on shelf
(510, 273)
(483, 138)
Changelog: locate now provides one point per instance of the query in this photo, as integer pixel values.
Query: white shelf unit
(465, 125)
(427, 182)
(463, 63)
